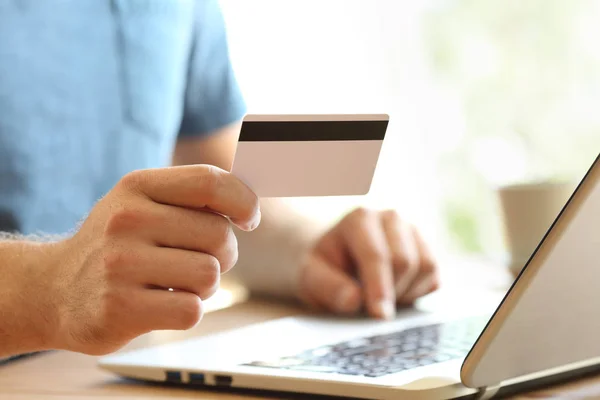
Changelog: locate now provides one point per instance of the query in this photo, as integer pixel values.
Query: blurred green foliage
(527, 77)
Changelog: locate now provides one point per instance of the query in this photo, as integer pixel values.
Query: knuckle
(209, 292)
(224, 245)
(210, 180)
(390, 215)
(117, 263)
(376, 255)
(211, 272)
(123, 220)
(133, 180)
(114, 262)
(360, 213)
(206, 275)
(211, 278)
(113, 259)
(428, 265)
(402, 262)
(190, 313)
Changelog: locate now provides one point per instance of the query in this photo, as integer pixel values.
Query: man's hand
(156, 230)
(370, 258)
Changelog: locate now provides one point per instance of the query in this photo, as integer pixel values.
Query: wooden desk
(63, 375)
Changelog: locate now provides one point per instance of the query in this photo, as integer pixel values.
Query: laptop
(546, 328)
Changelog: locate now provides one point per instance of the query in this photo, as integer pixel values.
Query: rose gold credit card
(309, 155)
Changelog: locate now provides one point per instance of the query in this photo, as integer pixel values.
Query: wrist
(272, 256)
(29, 302)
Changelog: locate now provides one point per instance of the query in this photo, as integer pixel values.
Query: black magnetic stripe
(297, 131)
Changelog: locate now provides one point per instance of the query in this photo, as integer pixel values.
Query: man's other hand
(147, 255)
(370, 259)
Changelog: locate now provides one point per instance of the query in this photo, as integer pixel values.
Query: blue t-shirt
(90, 90)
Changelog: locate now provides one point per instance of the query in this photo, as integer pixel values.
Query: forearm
(26, 320)
(269, 257)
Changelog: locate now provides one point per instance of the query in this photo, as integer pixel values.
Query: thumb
(329, 287)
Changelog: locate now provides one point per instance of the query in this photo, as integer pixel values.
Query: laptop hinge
(487, 392)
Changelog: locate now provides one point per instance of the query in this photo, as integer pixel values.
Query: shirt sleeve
(213, 98)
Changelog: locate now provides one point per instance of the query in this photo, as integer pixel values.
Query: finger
(427, 280)
(162, 309)
(328, 287)
(368, 245)
(404, 250)
(179, 228)
(422, 287)
(198, 231)
(199, 186)
(332, 247)
(193, 272)
(308, 300)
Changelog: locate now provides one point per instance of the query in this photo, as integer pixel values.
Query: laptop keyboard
(379, 355)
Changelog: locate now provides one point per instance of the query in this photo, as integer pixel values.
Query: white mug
(528, 210)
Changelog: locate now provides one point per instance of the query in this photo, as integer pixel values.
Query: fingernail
(344, 299)
(385, 309)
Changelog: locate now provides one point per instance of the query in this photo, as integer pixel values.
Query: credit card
(309, 155)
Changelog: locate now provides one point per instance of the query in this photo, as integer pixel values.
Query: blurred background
(480, 94)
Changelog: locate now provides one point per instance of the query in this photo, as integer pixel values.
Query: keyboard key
(407, 355)
(427, 343)
(409, 346)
